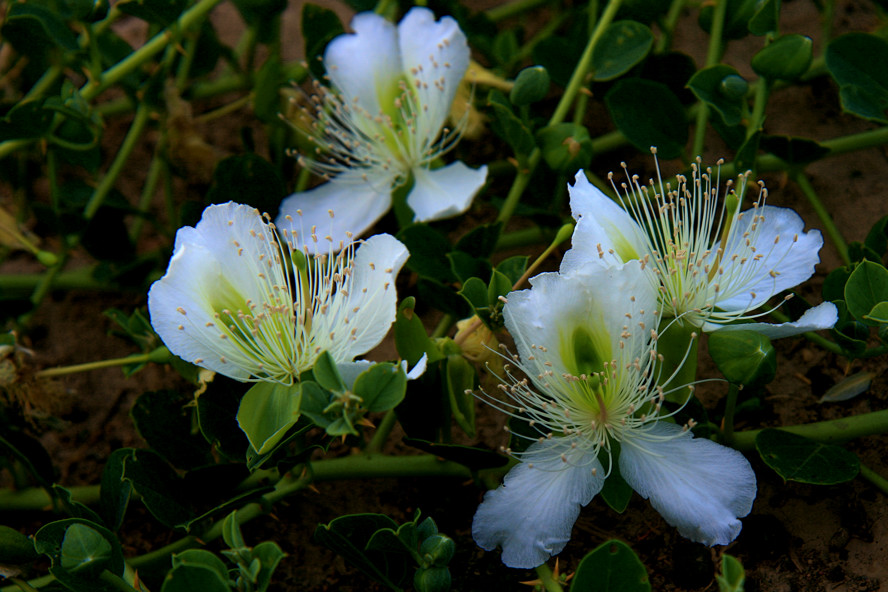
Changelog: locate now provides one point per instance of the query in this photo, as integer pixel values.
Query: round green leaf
(267, 411)
(191, 577)
(796, 458)
(623, 45)
(84, 549)
(857, 62)
(786, 59)
(722, 88)
(865, 289)
(381, 387)
(649, 114)
(744, 357)
(15, 547)
(611, 567)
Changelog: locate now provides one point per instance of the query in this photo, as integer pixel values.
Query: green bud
(788, 58)
(745, 358)
(46, 258)
(733, 87)
(566, 147)
(15, 547)
(438, 549)
(531, 85)
(433, 579)
(161, 355)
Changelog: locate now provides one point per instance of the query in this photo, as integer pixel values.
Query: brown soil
(797, 538)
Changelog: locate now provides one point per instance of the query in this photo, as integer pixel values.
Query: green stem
(382, 431)
(510, 9)
(561, 110)
(730, 406)
(831, 431)
(158, 355)
(550, 584)
(874, 478)
(151, 181)
(115, 581)
(828, 225)
(667, 26)
(713, 55)
(37, 498)
(442, 327)
(757, 118)
(143, 115)
(523, 238)
(80, 279)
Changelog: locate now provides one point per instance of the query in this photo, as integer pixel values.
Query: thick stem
(874, 478)
(550, 584)
(157, 355)
(382, 431)
(830, 432)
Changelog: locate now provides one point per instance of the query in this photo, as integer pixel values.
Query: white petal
(365, 65)
(601, 223)
(791, 259)
(372, 292)
(356, 204)
(435, 57)
(698, 486)
(444, 192)
(532, 513)
(595, 297)
(213, 267)
(418, 369)
(822, 316)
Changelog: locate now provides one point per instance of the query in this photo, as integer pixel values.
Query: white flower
(379, 124)
(585, 341)
(247, 301)
(713, 263)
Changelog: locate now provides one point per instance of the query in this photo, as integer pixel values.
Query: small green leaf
(269, 555)
(349, 535)
(622, 45)
(513, 267)
(787, 58)
(32, 28)
(327, 374)
(649, 114)
(744, 357)
(231, 532)
(879, 313)
(381, 387)
(856, 62)
(616, 492)
(611, 567)
(848, 388)
(267, 411)
(508, 126)
(737, 18)
(84, 550)
(531, 85)
(796, 458)
(566, 147)
(461, 378)
(722, 88)
(766, 17)
(189, 577)
(866, 288)
(411, 339)
(201, 557)
(15, 547)
(428, 252)
(732, 575)
(164, 420)
(159, 486)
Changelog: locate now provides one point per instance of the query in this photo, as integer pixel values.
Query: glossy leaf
(508, 126)
(744, 357)
(50, 539)
(732, 575)
(648, 114)
(865, 289)
(381, 387)
(796, 458)
(326, 374)
(267, 411)
(787, 58)
(84, 550)
(428, 252)
(411, 339)
(623, 45)
(722, 88)
(611, 567)
(158, 485)
(856, 61)
(766, 17)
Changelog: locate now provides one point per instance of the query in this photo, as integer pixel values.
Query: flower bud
(531, 85)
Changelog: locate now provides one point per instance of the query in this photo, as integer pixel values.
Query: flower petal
(698, 486)
(822, 316)
(532, 513)
(786, 257)
(444, 192)
(372, 298)
(435, 56)
(601, 223)
(356, 204)
(365, 65)
(596, 298)
(214, 267)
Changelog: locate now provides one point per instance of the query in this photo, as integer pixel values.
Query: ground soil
(797, 538)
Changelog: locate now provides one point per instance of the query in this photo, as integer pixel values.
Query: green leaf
(158, 485)
(834, 284)
(531, 85)
(566, 147)
(856, 61)
(737, 18)
(649, 114)
(766, 17)
(474, 290)
(327, 374)
(787, 58)
(27, 119)
(465, 266)
(744, 357)
(877, 237)
(247, 179)
(748, 152)
(74, 508)
(188, 577)
(796, 458)
(319, 27)
(50, 539)
(115, 492)
(722, 88)
(481, 240)
(231, 532)
(559, 56)
(201, 557)
(461, 378)
(622, 45)
(217, 417)
(349, 535)
(411, 339)
(428, 252)
(84, 550)
(513, 267)
(164, 420)
(508, 126)
(381, 387)
(474, 458)
(879, 313)
(32, 28)
(732, 575)
(611, 567)
(267, 411)
(616, 492)
(267, 98)
(865, 289)
(15, 547)
(269, 555)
